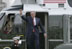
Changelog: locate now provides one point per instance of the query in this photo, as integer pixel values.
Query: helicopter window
(55, 27)
(11, 29)
(9, 23)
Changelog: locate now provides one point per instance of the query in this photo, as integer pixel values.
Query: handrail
(10, 40)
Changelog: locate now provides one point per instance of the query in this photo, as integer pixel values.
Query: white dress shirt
(34, 21)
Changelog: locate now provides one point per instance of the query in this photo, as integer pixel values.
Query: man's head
(20, 9)
(33, 14)
(16, 41)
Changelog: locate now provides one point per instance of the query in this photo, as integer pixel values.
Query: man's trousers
(33, 41)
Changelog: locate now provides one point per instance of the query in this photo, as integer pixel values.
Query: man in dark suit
(32, 31)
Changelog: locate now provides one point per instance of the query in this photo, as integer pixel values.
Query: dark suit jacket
(30, 26)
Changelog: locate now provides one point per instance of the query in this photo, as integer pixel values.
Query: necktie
(33, 25)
